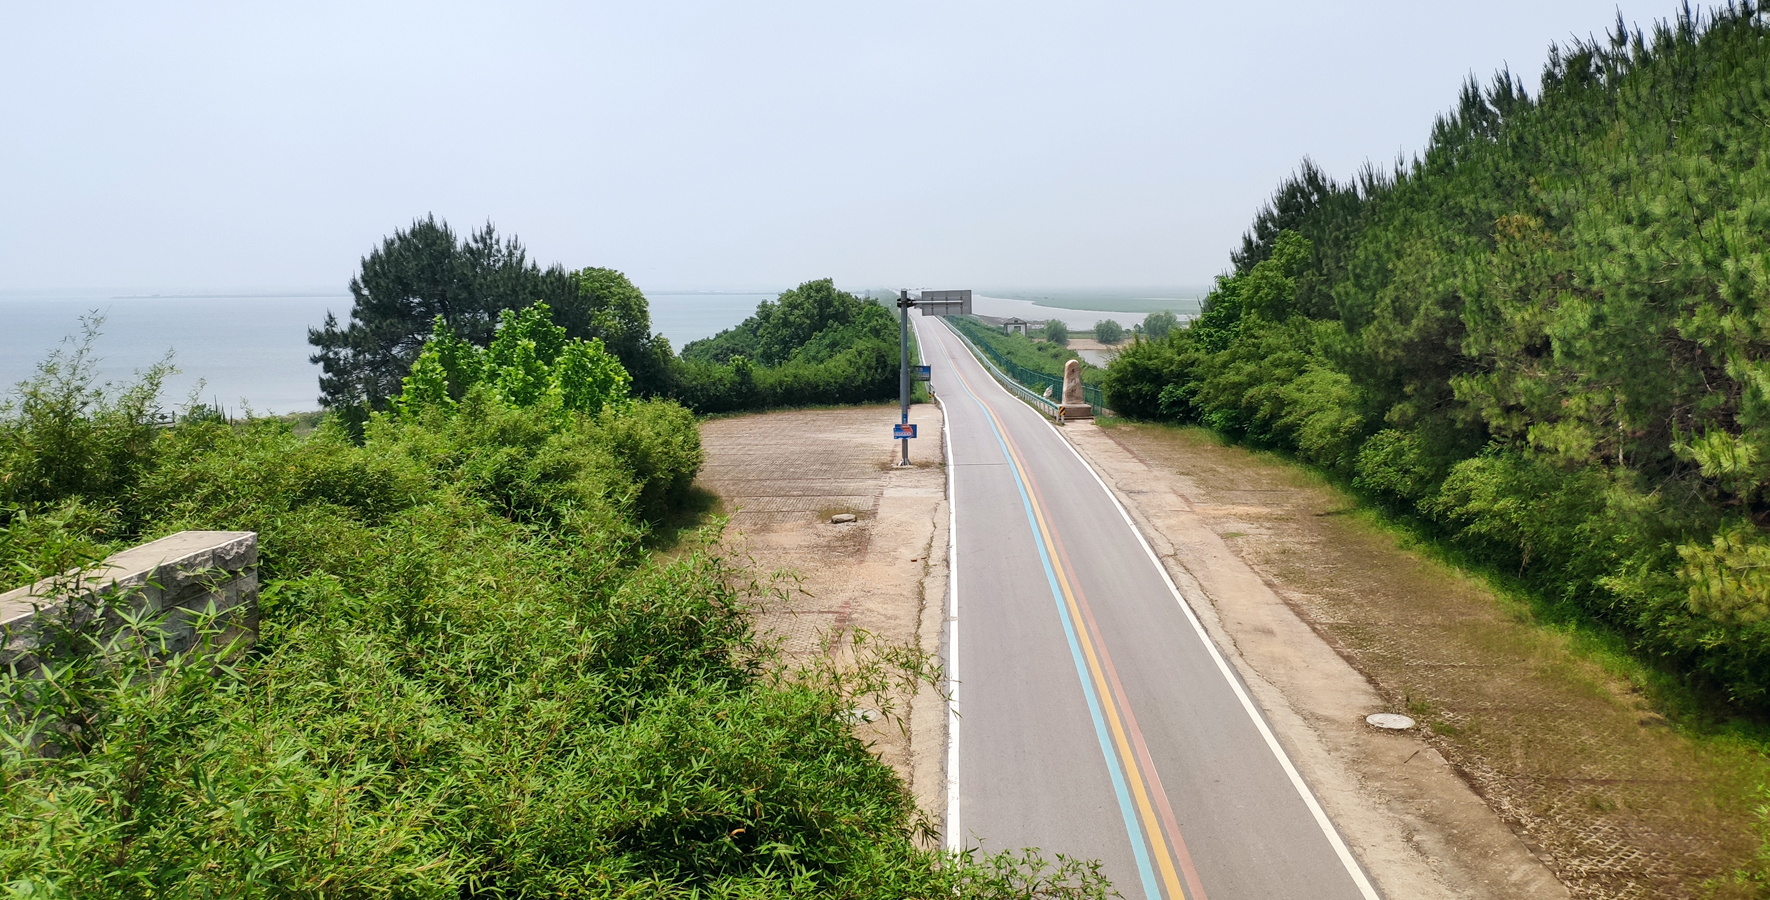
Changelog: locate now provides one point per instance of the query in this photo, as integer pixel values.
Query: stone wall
(173, 582)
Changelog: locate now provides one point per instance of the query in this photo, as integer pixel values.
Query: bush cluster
(814, 345)
(472, 678)
(1535, 338)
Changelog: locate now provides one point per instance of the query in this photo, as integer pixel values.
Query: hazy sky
(712, 145)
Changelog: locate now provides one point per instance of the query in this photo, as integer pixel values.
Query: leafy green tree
(1057, 332)
(1106, 331)
(1156, 325)
(811, 345)
(425, 272)
(814, 314)
(404, 285)
(610, 308)
(529, 362)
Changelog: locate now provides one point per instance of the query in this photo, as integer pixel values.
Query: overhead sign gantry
(932, 303)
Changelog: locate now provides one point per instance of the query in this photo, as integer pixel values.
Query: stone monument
(1075, 403)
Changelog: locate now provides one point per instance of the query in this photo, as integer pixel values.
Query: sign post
(903, 370)
(935, 303)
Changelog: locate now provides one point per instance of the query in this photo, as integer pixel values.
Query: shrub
(468, 682)
(658, 444)
(65, 435)
(1106, 331)
(529, 361)
(1156, 325)
(814, 345)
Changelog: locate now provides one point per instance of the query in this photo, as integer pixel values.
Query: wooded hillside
(1547, 337)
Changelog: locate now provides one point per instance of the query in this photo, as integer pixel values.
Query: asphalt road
(1094, 716)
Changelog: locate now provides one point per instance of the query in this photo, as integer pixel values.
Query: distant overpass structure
(944, 303)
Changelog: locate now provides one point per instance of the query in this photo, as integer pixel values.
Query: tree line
(1547, 338)
(812, 345)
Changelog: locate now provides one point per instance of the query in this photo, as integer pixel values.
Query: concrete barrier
(172, 582)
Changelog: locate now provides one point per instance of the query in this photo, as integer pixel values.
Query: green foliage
(1106, 331)
(813, 345)
(48, 541)
(1156, 325)
(1145, 373)
(1544, 337)
(657, 443)
(425, 273)
(64, 435)
(471, 681)
(610, 309)
(1057, 332)
(531, 361)
(1046, 357)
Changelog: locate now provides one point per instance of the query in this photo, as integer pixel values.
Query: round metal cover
(1391, 721)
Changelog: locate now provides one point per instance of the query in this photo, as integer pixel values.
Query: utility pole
(903, 368)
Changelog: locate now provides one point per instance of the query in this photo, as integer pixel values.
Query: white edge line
(1247, 703)
(954, 836)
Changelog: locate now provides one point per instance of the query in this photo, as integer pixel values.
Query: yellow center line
(1151, 826)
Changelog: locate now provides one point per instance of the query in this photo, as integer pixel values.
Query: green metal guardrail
(1048, 388)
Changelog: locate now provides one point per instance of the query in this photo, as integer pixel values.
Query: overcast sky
(712, 145)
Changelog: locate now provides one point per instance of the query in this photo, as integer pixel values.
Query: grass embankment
(1043, 357)
(473, 678)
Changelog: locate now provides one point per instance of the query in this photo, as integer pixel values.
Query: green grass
(1039, 356)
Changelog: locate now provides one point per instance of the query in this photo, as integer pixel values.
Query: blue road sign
(903, 432)
(920, 373)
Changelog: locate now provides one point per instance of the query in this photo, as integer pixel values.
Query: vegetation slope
(473, 677)
(1547, 338)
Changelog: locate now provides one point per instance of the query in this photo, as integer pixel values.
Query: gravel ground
(781, 477)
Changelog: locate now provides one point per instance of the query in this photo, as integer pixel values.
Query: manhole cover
(1391, 721)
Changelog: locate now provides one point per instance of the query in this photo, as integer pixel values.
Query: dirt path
(781, 477)
(1533, 773)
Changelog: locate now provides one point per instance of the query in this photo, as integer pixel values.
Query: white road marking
(1247, 703)
(955, 840)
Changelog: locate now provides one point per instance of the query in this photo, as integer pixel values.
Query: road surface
(1094, 718)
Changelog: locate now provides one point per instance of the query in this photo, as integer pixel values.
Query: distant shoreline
(1184, 300)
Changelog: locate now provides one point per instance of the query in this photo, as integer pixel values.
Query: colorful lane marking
(1121, 741)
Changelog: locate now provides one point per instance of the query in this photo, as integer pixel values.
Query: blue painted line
(1132, 831)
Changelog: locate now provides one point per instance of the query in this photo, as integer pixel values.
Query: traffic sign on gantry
(945, 303)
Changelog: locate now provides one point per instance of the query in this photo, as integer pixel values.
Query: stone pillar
(1075, 402)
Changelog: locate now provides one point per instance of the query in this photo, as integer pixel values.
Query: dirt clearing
(1529, 758)
(781, 477)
